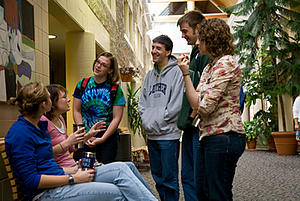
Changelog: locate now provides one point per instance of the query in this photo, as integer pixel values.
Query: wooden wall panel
(8, 115)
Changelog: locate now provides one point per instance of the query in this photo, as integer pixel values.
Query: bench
(9, 188)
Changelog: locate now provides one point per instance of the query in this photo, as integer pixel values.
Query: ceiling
(225, 3)
(218, 2)
(60, 22)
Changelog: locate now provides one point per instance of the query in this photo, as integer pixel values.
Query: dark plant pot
(285, 142)
(271, 144)
(124, 147)
(126, 77)
(251, 145)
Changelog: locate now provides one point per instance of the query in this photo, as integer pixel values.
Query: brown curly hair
(29, 98)
(217, 37)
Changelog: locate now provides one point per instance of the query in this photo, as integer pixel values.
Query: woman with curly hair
(216, 106)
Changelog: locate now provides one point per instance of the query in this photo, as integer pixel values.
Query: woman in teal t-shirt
(94, 103)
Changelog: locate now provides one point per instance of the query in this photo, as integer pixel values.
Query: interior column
(80, 55)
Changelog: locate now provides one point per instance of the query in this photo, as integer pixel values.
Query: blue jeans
(190, 163)
(114, 181)
(219, 155)
(137, 174)
(163, 155)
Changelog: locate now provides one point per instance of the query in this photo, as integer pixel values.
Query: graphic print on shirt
(158, 87)
(96, 105)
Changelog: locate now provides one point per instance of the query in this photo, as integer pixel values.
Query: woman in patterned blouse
(216, 104)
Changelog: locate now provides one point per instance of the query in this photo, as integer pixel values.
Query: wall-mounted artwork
(17, 50)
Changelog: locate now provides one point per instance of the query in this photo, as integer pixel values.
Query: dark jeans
(219, 155)
(105, 152)
(163, 156)
(190, 163)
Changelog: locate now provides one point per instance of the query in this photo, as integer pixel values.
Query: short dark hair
(165, 40)
(193, 18)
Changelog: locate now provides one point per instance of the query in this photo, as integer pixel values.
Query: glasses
(101, 64)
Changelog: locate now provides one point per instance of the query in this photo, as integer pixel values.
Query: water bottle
(80, 145)
(87, 161)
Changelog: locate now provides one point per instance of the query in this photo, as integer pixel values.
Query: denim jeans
(163, 155)
(137, 174)
(190, 163)
(114, 181)
(219, 155)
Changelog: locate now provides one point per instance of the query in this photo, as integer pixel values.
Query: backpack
(113, 89)
(242, 99)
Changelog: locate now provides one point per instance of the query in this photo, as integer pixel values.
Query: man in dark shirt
(190, 140)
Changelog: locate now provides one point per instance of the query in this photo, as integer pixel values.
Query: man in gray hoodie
(159, 104)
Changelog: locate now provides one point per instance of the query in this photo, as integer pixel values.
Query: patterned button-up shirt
(219, 95)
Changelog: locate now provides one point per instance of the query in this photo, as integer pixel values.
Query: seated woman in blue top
(30, 152)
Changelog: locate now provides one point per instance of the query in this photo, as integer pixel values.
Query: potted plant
(251, 135)
(135, 121)
(127, 72)
(265, 124)
(271, 31)
(134, 118)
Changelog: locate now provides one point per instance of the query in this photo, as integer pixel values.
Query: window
(174, 8)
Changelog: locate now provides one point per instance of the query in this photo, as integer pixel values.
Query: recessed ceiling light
(51, 36)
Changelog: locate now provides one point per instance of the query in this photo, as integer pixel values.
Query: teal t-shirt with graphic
(96, 102)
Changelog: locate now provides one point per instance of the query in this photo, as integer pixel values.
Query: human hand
(76, 137)
(82, 176)
(193, 114)
(97, 127)
(183, 63)
(297, 127)
(93, 142)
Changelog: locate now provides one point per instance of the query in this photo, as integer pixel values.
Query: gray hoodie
(160, 102)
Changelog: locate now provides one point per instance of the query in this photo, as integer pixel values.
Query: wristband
(71, 179)
(187, 74)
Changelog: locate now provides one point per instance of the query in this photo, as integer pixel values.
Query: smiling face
(159, 54)
(188, 33)
(102, 67)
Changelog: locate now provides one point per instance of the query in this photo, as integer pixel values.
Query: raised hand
(96, 128)
(183, 63)
(76, 137)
